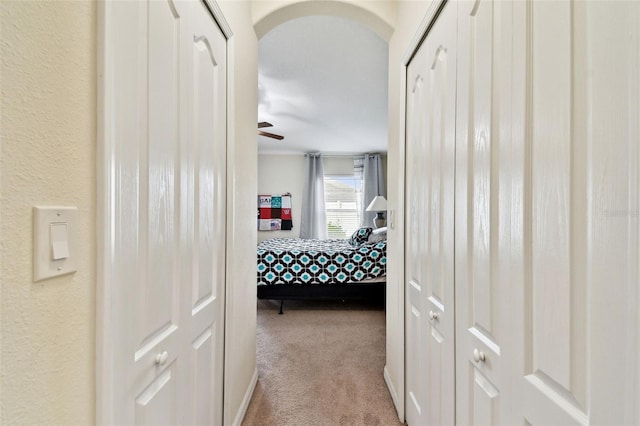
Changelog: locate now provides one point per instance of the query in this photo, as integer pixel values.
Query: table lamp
(378, 205)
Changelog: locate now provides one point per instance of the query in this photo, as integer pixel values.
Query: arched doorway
(376, 16)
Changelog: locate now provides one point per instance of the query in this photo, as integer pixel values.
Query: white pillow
(377, 235)
(373, 238)
(382, 231)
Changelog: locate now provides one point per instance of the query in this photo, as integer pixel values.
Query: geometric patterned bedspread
(304, 261)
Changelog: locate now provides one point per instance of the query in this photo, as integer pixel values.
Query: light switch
(59, 241)
(54, 241)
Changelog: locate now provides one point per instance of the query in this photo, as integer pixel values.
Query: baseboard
(245, 401)
(394, 394)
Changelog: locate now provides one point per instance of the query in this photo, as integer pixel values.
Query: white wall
(278, 174)
(410, 15)
(380, 16)
(48, 138)
(240, 341)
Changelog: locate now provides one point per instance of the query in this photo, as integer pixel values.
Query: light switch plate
(48, 222)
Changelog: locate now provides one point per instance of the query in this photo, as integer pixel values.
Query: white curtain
(313, 223)
(372, 186)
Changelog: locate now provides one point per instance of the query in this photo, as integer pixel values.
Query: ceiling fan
(262, 125)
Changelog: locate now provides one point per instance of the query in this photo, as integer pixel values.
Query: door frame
(107, 25)
(400, 218)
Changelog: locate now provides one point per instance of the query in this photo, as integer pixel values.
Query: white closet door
(546, 217)
(556, 374)
(204, 207)
(166, 128)
(149, 367)
(489, 307)
(612, 127)
(415, 309)
(430, 159)
(579, 62)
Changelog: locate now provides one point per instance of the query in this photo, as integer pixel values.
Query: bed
(293, 268)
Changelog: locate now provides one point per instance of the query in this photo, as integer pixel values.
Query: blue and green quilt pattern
(303, 261)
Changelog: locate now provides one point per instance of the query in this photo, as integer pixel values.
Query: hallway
(99, 114)
(320, 363)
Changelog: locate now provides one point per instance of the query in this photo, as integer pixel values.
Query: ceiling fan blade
(270, 135)
(263, 124)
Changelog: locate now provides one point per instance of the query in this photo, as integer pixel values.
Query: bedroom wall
(48, 137)
(278, 174)
(282, 173)
(410, 15)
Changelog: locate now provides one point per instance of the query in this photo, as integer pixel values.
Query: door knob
(433, 315)
(161, 359)
(478, 355)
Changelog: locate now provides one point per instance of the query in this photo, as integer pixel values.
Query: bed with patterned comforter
(303, 261)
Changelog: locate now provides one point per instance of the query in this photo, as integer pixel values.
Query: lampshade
(378, 204)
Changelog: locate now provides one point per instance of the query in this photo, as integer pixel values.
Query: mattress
(304, 261)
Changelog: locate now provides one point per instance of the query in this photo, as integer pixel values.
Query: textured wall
(48, 133)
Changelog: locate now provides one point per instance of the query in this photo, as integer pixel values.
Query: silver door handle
(433, 315)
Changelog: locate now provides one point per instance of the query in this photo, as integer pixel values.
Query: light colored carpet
(321, 363)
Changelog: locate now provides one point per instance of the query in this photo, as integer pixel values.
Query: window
(342, 196)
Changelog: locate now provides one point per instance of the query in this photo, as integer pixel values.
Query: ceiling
(323, 85)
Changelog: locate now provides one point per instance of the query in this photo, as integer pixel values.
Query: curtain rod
(342, 155)
(348, 155)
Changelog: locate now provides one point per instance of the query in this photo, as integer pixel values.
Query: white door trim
(217, 15)
(425, 25)
(105, 192)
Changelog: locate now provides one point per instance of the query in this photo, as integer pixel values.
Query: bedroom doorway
(323, 99)
(322, 102)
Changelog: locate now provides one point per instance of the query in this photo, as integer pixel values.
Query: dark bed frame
(352, 291)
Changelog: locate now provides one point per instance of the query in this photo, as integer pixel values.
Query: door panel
(416, 319)
(207, 191)
(156, 405)
(483, 151)
(551, 191)
(158, 203)
(169, 133)
(204, 362)
(582, 76)
(477, 280)
(556, 376)
(488, 299)
(155, 285)
(440, 146)
(612, 124)
(486, 400)
(430, 156)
